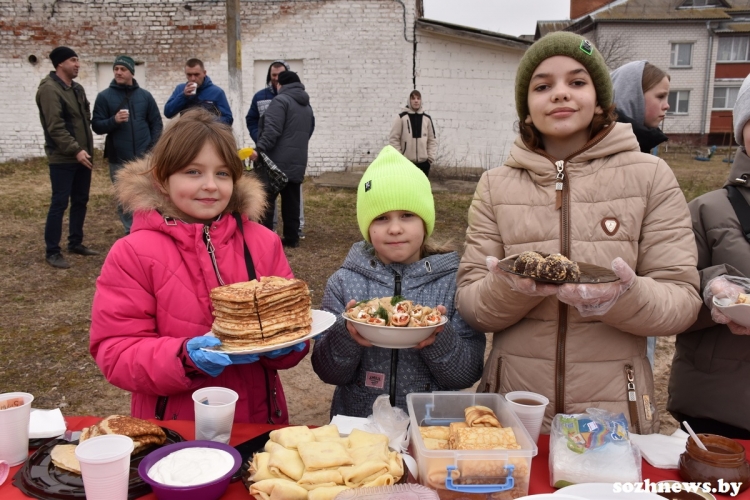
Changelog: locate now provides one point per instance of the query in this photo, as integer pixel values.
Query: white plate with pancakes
(738, 312)
(321, 321)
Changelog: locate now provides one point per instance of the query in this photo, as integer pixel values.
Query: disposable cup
(127, 111)
(105, 466)
(214, 413)
(192, 88)
(14, 427)
(529, 408)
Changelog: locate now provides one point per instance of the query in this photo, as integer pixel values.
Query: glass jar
(724, 459)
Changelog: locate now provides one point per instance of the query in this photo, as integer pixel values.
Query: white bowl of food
(739, 311)
(394, 322)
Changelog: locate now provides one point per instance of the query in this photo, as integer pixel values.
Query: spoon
(694, 436)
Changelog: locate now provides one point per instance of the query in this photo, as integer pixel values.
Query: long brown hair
(533, 138)
(184, 139)
(652, 76)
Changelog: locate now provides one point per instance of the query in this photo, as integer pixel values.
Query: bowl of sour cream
(190, 470)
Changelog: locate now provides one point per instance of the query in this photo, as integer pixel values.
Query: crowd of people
(582, 179)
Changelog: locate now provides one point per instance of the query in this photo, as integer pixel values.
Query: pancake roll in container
(469, 474)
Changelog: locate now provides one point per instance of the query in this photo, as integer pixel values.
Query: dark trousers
(710, 426)
(70, 181)
(125, 217)
(424, 166)
(290, 202)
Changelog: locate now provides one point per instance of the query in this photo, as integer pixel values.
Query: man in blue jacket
(130, 117)
(198, 91)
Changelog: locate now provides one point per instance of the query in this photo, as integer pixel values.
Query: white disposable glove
(595, 299)
(526, 286)
(727, 289)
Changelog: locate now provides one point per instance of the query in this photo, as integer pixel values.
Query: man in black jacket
(285, 131)
(130, 117)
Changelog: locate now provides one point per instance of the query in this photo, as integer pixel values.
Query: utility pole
(234, 63)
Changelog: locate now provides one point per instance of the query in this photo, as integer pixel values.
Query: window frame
(674, 54)
(728, 86)
(733, 38)
(673, 111)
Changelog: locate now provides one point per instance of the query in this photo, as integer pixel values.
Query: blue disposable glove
(213, 362)
(282, 352)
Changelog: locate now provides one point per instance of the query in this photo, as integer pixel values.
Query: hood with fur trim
(138, 191)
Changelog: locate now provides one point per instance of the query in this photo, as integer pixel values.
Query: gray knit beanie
(741, 111)
(563, 43)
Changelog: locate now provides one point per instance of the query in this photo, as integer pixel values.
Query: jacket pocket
(493, 375)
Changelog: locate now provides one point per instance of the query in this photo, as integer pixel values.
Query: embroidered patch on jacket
(586, 47)
(375, 380)
(610, 225)
(368, 185)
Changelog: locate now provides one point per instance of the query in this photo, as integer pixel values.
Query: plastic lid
(397, 491)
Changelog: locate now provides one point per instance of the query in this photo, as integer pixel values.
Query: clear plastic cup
(14, 427)
(529, 408)
(214, 413)
(105, 466)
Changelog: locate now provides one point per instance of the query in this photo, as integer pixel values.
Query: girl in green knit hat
(575, 183)
(396, 215)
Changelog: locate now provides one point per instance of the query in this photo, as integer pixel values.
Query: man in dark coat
(130, 117)
(286, 128)
(65, 114)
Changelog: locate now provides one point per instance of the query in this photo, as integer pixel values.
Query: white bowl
(739, 313)
(394, 337)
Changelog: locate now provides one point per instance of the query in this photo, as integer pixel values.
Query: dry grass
(44, 335)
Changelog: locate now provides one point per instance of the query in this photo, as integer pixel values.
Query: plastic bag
(592, 447)
(393, 422)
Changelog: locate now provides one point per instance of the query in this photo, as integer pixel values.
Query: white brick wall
(467, 88)
(652, 42)
(357, 64)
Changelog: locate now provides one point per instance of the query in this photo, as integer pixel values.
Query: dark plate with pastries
(555, 268)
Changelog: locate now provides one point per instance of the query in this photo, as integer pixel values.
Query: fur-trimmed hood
(137, 191)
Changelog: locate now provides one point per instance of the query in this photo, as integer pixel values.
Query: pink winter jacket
(153, 294)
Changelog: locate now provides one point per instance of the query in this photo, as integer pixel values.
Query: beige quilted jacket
(615, 202)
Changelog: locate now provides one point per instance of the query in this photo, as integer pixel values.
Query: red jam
(724, 459)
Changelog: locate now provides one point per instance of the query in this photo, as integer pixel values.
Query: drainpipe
(708, 76)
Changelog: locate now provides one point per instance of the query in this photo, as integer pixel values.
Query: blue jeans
(125, 217)
(70, 181)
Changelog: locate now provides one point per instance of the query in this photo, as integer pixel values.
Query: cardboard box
(474, 474)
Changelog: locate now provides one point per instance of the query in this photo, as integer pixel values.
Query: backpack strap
(248, 259)
(741, 208)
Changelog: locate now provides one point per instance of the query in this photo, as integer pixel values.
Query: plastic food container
(395, 492)
(470, 474)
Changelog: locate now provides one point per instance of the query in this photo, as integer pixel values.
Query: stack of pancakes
(261, 313)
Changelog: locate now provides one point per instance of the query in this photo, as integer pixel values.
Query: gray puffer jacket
(361, 374)
(285, 130)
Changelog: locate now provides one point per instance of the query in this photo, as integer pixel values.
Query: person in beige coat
(576, 183)
(413, 134)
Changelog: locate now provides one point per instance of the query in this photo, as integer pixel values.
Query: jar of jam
(724, 459)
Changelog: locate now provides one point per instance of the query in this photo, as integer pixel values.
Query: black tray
(590, 273)
(39, 478)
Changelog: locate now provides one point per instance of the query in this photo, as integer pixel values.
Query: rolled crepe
(326, 433)
(395, 465)
(436, 444)
(452, 429)
(371, 453)
(312, 480)
(284, 462)
(481, 416)
(327, 493)
(290, 437)
(382, 480)
(485, 438)
(361, 438)
(435, 432)
(323, 455)
(357, 475)
(259, 467)
(277, 489)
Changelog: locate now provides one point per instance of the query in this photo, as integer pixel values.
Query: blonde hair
(652, 76)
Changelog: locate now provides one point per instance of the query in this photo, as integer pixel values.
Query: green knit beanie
(126, 61)
(563, 43)
(392, 182)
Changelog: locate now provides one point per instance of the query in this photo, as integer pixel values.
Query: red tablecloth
(539, 482)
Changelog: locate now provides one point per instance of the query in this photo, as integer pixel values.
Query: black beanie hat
(126, 62)
(287, 77)
(60, 55)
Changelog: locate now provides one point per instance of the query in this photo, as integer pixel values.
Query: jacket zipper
(635, 420)
(497, 374)
(562, 203)
(211, 253)
(394, 352)
(273, 406)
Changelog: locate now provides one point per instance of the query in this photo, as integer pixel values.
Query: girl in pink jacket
(152, 307)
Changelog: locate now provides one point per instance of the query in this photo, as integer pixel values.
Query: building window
(682, 55)
(678, 102)
(733, 48)
(725, 97)
(697, 4)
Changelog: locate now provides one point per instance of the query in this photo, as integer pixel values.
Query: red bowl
(206, 491)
